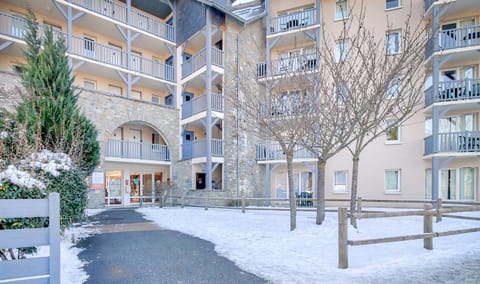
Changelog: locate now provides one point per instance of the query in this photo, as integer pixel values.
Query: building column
(435, 110)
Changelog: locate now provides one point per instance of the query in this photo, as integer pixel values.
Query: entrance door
(89, 47)
(134, 146)
(200, 180)
(135, 188)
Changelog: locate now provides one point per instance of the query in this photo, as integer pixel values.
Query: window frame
(93, 82)
(398, 47)
(341, 51)
(395, 7)
(399, 181)
(335, 185)
(393, 89)
(340, 15)
(389, 125)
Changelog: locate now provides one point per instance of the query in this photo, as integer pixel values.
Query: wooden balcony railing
(456, 142)
(199, 60)
(305, 62)
(293, 21)
(118, 11)
(198, 148)
(265, 152)
(136, 150)
(199, 104)
(451, 91)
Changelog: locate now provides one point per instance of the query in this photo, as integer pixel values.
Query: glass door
(113, 188)
(135, 187)
(147, 189)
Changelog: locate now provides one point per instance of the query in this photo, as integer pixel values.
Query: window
(392, 181)
(458, 184)
(341, 50)
(428, 183)
(393, 42)
(391, 4)
(340, 182)
(115, 90)
(89, 46)
(136, 95)
(392, 89)
(169, 100)
(155, 99)
(89, 84)
(392, 133)
(341, 9)
(341, 94)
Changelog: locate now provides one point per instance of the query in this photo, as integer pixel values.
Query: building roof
(244, 11)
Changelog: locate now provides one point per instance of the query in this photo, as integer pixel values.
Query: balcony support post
(68, 15)
(5, 45)
(208, 81)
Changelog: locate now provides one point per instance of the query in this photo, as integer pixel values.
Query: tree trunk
(354, 191)
(291, 191)
(320, 191)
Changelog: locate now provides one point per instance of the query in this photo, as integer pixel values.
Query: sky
(260, 242)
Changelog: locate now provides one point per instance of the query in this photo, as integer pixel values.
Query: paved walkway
(130, 249)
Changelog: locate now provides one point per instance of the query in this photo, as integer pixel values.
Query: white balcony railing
(456, 142)
(268, 152)
(199, 104)
(293, 21)
(198, 148)
(305, 62)
(454, 38)
(136, 150)
(199, 60)
(455, 90)
(118, 12)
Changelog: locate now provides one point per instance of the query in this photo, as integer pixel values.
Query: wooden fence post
(439, 207)
(243, 202)
(359, 205)
(428, 227)
(181, 200)
(342, 238)
(54, 236)
(206, 199)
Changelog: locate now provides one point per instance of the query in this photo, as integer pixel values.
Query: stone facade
(242, 174)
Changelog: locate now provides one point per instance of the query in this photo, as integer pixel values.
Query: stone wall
(240, 136)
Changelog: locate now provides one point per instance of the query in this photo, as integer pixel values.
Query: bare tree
(380, 77)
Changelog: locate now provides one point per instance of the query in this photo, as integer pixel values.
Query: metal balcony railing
(13, 26)
(199, 104)
(118, 11)
(265, 152)
(457, 90)
(293, 21)
(198, 148)
(457, 142)
(429, 3)
(199, 60)
(453, 38)
(292, 64)
(136, 150)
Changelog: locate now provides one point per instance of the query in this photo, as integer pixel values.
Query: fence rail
(427, 235)
(39, 269)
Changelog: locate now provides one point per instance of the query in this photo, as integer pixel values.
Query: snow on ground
(260, 242)
(71, 267)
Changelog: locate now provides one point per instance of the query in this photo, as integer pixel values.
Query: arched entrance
(137, 162)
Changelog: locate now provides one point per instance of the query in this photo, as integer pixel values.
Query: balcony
(306, 62)
(116, 57)
(136, 150)
(264, 152)
(12, 26)
(293, 21)
(199, 60)
(454, 38)
(199, 104)
(118, 11)
(456, 142)
(198, 148)
(429, 3)
(452, 91)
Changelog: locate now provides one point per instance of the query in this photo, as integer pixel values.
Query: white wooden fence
(36, 269)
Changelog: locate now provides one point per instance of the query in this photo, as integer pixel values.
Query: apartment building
(158, 79)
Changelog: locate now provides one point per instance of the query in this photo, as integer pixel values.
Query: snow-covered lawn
(260, 242)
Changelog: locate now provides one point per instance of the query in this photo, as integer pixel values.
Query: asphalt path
(130, 249)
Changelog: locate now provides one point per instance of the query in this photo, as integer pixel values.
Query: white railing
(199, 104)
(136, 150)
(265, 152)
(455, 90)
(305, 62)
(198, 148)
(118, 11)
(199, 60)
(461, 141)
(292, 21)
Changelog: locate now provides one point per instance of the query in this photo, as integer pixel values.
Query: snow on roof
(241, 2)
